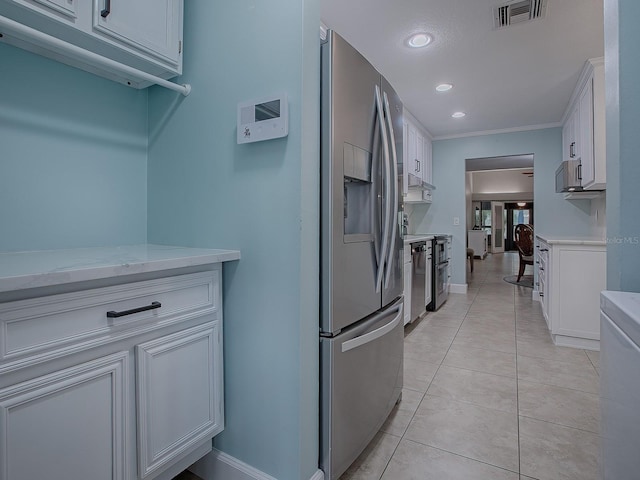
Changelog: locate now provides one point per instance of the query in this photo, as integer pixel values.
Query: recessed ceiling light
(458, 114)
(419, 40)
(444, 87)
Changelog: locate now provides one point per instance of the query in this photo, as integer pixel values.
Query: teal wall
(73, 157)
(552, 214)
(261, 198)
(622, 71)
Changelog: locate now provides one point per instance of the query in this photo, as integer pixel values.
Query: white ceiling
(518, 76)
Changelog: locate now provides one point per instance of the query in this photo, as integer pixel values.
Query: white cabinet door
(66, 10)
(419, 155)
(587, 167)
(68, 424)
(150, 26)
(567, 148)
(427, 171)
(179, 394)
(412, 149)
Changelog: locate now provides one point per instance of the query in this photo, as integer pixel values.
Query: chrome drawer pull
(114, 314)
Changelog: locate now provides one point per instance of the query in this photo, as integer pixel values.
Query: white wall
(554, 216)
(503, 181)
(469, 195)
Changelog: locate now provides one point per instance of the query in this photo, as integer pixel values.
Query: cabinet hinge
(180, 46)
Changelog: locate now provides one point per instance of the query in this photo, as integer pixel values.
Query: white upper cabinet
(583, 133)
(145, 35)
(151, 26)
(417, 161)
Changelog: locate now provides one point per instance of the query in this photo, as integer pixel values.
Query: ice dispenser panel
(358, 192)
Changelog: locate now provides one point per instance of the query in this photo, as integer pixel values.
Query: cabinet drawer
(48, 327)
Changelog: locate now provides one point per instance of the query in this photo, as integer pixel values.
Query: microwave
(569, 176)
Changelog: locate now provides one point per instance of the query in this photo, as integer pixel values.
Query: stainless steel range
(440, 289)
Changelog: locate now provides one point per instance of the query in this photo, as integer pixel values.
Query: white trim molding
(219, 465)
(458, 288)
(535, 296)
(524, 128)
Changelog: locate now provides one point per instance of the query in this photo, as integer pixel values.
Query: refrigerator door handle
(377, 333)
(387, 201)
(375, 211)
(394, 182)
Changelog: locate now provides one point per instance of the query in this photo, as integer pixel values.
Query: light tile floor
(487, 396)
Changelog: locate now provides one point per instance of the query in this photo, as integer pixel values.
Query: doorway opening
(499, 194)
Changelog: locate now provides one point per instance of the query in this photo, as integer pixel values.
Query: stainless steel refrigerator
(361, 318)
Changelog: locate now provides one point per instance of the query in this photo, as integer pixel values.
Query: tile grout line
(425, 392)
(464, 456)
(517, 383)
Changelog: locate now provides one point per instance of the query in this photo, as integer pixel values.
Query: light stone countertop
(624, 309)
(418, 237)
(562, 240)
(23, 270)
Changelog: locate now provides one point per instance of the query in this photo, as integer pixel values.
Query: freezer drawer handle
(114, 314)
(377, 333)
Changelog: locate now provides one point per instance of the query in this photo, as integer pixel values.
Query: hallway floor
(487, 396)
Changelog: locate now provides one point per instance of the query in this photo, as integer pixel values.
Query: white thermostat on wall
(263, 119)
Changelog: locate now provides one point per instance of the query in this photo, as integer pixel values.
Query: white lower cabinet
(571, 275)
(179, 369)
(112, 383)
(68, 424)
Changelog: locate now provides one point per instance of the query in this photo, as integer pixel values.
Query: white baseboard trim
(458, 288)
(535, 296)
(218, 465)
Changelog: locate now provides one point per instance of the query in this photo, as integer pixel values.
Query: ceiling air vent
(518, 12)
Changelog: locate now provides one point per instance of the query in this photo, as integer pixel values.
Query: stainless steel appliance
(569, 176)
(418, 279)
(440, 277)
(361, 317)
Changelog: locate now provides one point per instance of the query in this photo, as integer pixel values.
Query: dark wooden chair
(524, 242)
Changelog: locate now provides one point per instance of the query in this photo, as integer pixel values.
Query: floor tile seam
(591, 361)
(457, 454)
(515, 334)
(417, 391)
(557, 386)
(393, 453)
(493, 409)
(478, 371)
(410, 420)
(571, 364)
(546, 358)
(572, 427)
(484, 348)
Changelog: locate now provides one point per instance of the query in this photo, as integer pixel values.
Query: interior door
(497, 227)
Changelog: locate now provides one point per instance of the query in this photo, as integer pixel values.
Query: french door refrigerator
(361, 318)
